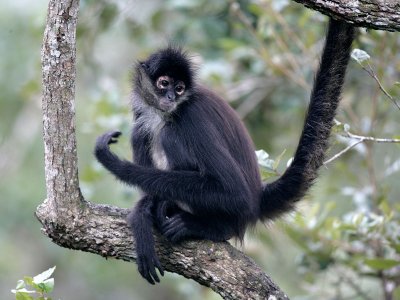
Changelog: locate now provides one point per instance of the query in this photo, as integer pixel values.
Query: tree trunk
(72, 222)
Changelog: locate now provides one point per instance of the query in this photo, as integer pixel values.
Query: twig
(361, 139)
(337, 155)
(370, 138)
(371, 72)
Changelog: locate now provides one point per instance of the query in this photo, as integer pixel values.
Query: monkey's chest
(157, 152)
(151, 124)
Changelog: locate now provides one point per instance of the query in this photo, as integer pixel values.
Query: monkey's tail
(281, 195)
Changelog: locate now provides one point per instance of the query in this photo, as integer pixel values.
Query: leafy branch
(362, 58)
(39, 285)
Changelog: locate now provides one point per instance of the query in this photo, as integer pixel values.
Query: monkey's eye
(163, 82)
(179, 89)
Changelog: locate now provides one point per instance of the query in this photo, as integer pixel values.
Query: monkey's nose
(171, 96)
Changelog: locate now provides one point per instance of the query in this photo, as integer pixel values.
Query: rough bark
(102, 230)
(72, 222)
(374, 14)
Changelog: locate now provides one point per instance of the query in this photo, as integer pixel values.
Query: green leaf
(267, 173)
(360, 55)
(47, 285)
(278, 160)
(381, 263)
(23, 296)
(28, 280)
(43, 276)
(20, 285)
(23, 290)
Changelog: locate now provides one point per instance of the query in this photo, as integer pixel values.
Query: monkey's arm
(281, 195)
(187, 186)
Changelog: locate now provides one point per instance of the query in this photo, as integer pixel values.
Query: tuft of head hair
(171, 61)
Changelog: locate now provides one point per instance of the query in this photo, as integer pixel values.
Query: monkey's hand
(175, 228)
(102, 149)
(147, 262)
(106, 139)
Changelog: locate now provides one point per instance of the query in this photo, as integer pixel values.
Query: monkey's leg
(140, 221)
(183, 226)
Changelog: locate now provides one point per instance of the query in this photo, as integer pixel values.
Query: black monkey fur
(195, 162)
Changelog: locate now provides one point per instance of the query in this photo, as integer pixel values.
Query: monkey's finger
(112, 141)
(116, 133)
(175, 221)
(113, 136)
(157, 264)
(162, 211)
(153, 273)
(172, 231)
(144, 271)
(180, 235)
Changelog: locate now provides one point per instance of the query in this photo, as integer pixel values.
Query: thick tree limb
(102, 230)
(74, 223)
(374, 14)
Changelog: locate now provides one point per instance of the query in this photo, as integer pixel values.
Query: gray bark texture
(374, 14)
(72, 222)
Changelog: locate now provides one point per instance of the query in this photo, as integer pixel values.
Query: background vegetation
(261, 55)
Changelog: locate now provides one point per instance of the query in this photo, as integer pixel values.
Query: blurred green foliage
(37, 287)
(260, 55)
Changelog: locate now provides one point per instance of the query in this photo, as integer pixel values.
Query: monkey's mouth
(167, 106)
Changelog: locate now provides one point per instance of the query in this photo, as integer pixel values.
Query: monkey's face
(171, 93)
(165, 79)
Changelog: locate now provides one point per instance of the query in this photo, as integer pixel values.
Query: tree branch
(102, 229)
(383, 15)
(74, 223)
(360, 139)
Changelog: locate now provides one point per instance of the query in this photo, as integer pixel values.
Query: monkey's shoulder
(206, 105)
(148, 121)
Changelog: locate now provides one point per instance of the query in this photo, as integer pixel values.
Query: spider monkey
(195, 162)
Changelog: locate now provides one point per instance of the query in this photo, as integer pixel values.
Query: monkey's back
(222, 134)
